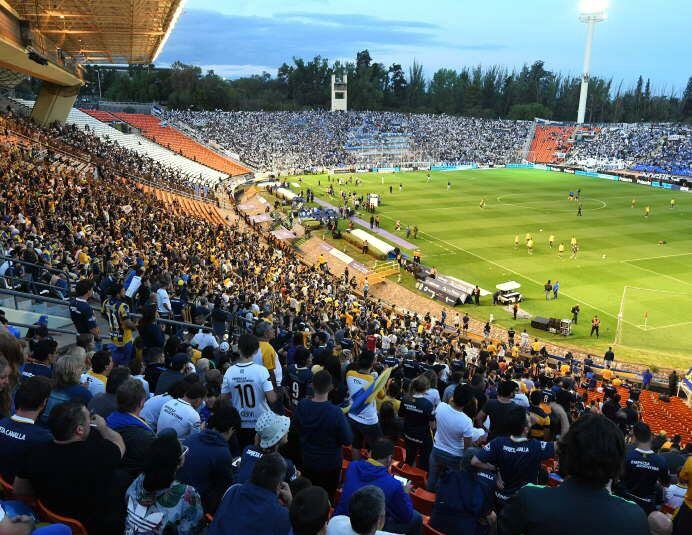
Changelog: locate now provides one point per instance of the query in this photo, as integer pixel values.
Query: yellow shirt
(395, 402)
(686, 477)
(617, 381)
(268, 355)
(607, 374)
(564, 369)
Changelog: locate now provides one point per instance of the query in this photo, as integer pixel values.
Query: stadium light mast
(590, 12)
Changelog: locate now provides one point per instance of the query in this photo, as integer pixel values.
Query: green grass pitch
(648, 284)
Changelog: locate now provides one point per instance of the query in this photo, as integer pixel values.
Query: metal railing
(39, 267)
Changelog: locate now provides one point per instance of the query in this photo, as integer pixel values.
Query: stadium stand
(109, 231)
(176, 141)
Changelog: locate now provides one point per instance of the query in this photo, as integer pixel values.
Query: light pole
(590, 12)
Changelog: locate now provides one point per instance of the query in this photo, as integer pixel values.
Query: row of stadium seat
(175, 140)
(182, 205)
(549, 140)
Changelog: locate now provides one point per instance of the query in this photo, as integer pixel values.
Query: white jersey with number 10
(247, 384)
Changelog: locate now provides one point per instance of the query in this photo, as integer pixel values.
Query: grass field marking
(618, 328)
(656, 290)
(655, 257)
(629, 263)
(669, 326)
(524, 204)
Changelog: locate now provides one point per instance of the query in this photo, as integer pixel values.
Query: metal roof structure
(103, 31)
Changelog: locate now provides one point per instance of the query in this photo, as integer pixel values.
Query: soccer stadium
(311, 301)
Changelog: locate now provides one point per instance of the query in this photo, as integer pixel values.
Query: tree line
(488, 92)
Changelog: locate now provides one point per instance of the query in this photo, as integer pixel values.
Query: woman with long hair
(67, 374)
(5, 397)
(156, 496)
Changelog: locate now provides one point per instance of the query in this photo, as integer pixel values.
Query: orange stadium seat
(178, 142)
(549, 140)
(46, 514)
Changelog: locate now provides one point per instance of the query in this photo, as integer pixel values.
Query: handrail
(66, 303)
(39, 266)
(49, 329)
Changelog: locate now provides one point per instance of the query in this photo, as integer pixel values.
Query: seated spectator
(254, 507)
(18, 434)
(660, 524)
(272, 433)
(203, 339)
(23, 524)
(323, 431)
(181, 414)
(591, 457)
(41, 360)
(465, 499)
(173, 374)
(309, 512)
(208, 462)
(154, 366)
(367, 513)
(72, 474)
(105, 403)
(66, 374)
(136, 372)
(97, 376)
(156, 502)
(644, 471)
(137, 434)
(516, 458)
(152, 407)
(401, 517)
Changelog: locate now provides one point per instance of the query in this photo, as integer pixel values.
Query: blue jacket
(362, 473)
(323, 431)
(250, 510)
(207, 465)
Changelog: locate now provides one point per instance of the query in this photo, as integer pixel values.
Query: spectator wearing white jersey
(249, 387)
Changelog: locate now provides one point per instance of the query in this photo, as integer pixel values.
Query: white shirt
(152, 409)
(145, 384)
(521, 399)
(452, 427)
(135, 283)
(202, 340)
(341, 525)
(247, 384)
(94, 384)
(179, 415)
(355, 381)
(163, 302)
(433, 396)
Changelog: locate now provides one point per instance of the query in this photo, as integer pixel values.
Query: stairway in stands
(186, 206)
(174, 140)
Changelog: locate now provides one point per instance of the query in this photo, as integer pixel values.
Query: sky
(242, 37)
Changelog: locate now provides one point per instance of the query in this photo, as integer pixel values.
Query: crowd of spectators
(651, 148)
(314, 139)
(145, 427)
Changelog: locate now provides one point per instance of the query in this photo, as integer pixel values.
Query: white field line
(656, 273)
(656, 257)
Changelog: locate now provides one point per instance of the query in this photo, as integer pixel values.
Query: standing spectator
(208, 462)
(516, 458)
(80, 310)
(272, 433)
(5, 397)
(682, 523)
(401, 517)
(454, 432)
(150, 333)
(392, 426)
(153, 357)
(268, 356)
(18, 433)
(417, 411)
(644, 470)
(181, 414)
(609, 356)
(647, 377)
(591, 456)
(163, 300)
(254, 508)
(173, 374)
(249, 388)
(156, 502)
(137, 434)
(365, 424)
(498, 410)
(97, 376)
(673, 383)
(323, 431)
(72, 474)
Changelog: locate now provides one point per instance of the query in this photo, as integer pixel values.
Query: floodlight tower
(590, 12)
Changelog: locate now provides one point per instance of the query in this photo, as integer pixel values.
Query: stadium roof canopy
(102, 31)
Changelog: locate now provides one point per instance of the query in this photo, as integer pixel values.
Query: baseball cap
(271, 428)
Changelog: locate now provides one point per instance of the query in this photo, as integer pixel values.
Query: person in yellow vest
(551, 241)
(482, 203)
(560, 250)
(516, 241)
(672, 203)
(527, 237)
(634, 203)
(647, 211)
(529, 246)
(573, 241)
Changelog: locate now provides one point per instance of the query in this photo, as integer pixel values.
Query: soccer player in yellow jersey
(529, 245)
(551, 241)
(634, 203)
(672, 203)
(560, 249)
(516, 241)
(527, 237)
(573, 241)
(482, 203)
(647, 211)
